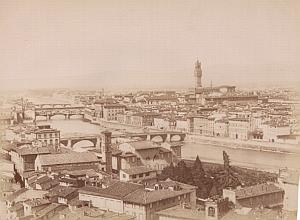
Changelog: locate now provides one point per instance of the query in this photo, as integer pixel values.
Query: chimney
(106, 150)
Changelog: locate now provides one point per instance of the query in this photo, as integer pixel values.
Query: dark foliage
(211, 179)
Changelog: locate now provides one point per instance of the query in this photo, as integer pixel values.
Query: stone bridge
(166, 136)
(50, 110)
(72, 140)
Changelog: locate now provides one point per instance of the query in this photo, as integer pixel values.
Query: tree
(167, 172)
(182, 173)
(197, 171)
(229, 178)
(226, 161)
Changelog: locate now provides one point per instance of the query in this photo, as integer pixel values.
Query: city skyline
(95, 44)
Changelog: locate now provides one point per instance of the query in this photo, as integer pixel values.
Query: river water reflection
(242, 157)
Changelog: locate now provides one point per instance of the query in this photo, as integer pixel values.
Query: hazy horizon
(147, 44)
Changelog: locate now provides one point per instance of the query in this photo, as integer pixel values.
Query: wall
(75, 166)
(137, 177)
(124, 176)
(182, 125)
(17, 160)
(239, 129)
(114, 205)
(265, 200)
(230, 194)
(152, 208)
(270, 133)
(221, 129)
(136, 210)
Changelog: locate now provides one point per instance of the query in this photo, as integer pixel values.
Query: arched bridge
(50, 110)
(70, 141)
(166, 136)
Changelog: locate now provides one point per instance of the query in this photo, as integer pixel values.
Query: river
(271, 161)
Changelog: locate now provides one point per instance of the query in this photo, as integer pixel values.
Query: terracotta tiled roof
(68, 158)
(30, 150)
(117, 191)
(140, 145)
(257, 190)
(138, 170)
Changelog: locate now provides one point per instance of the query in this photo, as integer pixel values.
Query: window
(45, 135)
(133, 176)
(141, 175)
(50, 135)
(211, 211)
(147, 174)
(124, 175)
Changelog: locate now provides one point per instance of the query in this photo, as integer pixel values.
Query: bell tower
(198, 74)
(106, 151)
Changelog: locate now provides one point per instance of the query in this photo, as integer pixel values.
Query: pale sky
(60, 43)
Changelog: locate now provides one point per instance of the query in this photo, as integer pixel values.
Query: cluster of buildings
(269, 122)
(41, 177)
(263, 115)
(119, 180)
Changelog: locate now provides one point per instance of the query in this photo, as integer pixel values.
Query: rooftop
(46, 130)
(30, 150)
(61, 191)
(146, 114)
(68, 158)
(142, 145)
(179, 212)
(16, 194)
(137, 170)
(91, 213)
(144, 196)
(117, 190)
(257, 190)
(37, 202)
(50, 208)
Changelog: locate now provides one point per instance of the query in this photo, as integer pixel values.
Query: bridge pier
(168, 138)
(98, 143)
(69, 143)
(148, 137)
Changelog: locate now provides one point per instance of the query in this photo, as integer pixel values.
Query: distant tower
(198, 74)
(106, 151)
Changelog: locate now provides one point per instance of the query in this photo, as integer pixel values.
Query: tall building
(106, 151)
(198, 74)
(198, 87)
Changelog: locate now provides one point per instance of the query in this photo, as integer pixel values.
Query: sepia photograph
(149, 109)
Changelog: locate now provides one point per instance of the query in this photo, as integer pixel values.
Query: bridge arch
(57, 116)
(177, 137)
(41, 117)
(76, 115)
(61, 105)
(158, 137)
(91, 140)
(82, 144)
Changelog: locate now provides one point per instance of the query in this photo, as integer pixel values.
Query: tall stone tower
(106, 151)
(198, 74)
